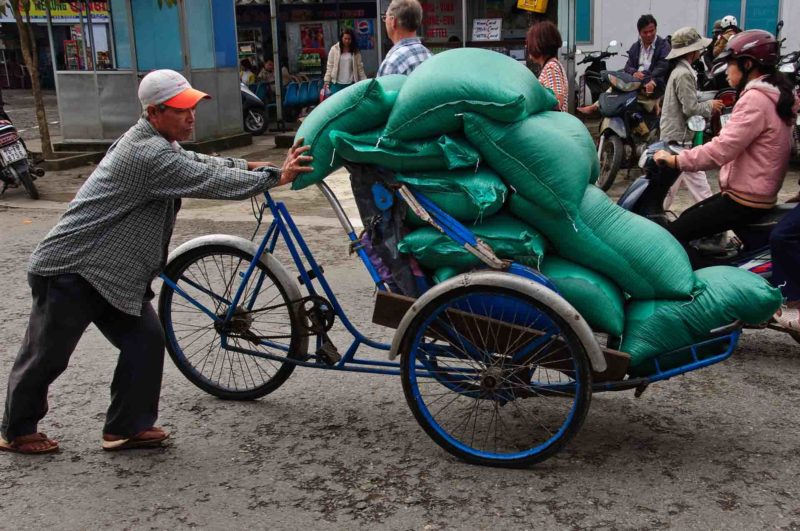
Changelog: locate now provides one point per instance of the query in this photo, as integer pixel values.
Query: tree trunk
(30, 55)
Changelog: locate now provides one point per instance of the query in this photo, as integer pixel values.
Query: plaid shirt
(404, 57)
(553, 77)
(116, 231)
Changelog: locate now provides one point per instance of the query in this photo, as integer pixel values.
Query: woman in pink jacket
(752, 152)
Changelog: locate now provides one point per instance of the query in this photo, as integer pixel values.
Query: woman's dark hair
(247, 65)
(543, 40)
(785, 105)
(644, 21)
(353, 44)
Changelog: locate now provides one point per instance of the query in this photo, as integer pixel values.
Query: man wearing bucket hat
(680, 103)
(96, 265)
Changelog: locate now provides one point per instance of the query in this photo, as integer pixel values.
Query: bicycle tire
(425, 339)
(208, 263)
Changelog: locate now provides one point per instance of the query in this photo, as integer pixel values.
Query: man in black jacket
(647, 57)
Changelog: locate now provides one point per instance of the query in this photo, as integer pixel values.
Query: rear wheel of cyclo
(193, 342)
(507, 390)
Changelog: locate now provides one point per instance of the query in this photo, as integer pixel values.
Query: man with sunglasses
(402, 20)
(96, 265)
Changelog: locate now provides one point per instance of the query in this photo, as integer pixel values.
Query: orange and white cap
(169, 88)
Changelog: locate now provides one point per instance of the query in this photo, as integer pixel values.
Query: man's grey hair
(407, 12)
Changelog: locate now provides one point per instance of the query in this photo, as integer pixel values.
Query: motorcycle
(254, 111)
(627, 128)
(646, 198)
(592, 75)
(728, 97)
(790, 65)
(16, 166)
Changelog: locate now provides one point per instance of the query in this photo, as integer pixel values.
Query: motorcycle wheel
(255, 121)
(27, 181)
(610, 161)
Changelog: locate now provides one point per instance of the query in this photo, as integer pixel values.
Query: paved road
(714, 449)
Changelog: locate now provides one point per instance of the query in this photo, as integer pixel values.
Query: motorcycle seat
(772, 216)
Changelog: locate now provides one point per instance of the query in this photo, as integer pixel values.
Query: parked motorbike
(646, 198)
(254, 112)
(790, 65)
(592, 75)
(627, 128)
(15, 165)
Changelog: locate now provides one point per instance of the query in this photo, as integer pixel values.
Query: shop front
(99, 61)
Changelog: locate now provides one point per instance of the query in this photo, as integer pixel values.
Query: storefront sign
(60, 11)
(487, 29)
(441, 19)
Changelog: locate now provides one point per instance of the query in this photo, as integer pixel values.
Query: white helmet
(728, 21)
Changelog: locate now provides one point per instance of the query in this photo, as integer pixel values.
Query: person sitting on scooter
(680, 103)
(784, 244)
(752, 149)
(647, 58)
(729, 27)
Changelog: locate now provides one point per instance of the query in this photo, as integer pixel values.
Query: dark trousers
(716, 214)
(785, 244)
(63, 307)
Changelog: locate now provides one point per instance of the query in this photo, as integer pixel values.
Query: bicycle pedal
(328, 353)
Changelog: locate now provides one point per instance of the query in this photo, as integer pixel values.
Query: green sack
(465, 80)
(638, 255)
(359, 107)
(549, 158)
(595, 296)
(433, 154)
(725, 294)
(466, 195)
(507, 236)
(445, 273)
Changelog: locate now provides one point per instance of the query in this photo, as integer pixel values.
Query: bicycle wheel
(211, 274)
(494, 376)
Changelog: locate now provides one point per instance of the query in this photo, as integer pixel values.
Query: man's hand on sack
(295, 163)
(639, 75)
(650, 87)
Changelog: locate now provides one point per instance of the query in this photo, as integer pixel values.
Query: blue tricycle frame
(551, 355)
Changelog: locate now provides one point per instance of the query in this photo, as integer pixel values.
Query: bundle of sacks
(474, 131)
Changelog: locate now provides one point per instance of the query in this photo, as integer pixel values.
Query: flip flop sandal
(134, 442)
(27, 446)
(789, 319)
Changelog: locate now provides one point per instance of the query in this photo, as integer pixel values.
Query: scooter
(646, 198)
(15, 165)
(254, 111)
(592, 75)
(728, 97)
(790, 65)
(626, 129)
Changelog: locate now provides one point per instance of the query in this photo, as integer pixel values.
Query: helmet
(728, 21)
(757, 45)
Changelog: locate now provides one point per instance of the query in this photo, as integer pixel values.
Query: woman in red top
(543, 43)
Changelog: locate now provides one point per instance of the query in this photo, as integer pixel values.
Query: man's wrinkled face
(173, 124)
(648, 34)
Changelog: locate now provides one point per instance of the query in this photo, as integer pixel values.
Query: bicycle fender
(244, 245)
(533, 289)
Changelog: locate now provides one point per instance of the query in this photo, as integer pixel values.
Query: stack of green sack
(475, 132)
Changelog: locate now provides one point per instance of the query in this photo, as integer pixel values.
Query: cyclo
(496, 366)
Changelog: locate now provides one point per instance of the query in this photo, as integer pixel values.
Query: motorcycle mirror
(697, 123)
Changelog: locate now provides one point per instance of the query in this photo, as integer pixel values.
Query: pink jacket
(752, 150)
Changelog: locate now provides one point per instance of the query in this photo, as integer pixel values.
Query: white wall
(790, 13)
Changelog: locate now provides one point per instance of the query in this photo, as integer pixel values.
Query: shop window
(158, 35)
(224, 33)
(583, 21)
(198, 25)
(753, 14)
(122, 38)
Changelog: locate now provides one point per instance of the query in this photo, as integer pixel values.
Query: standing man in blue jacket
(647, 58)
